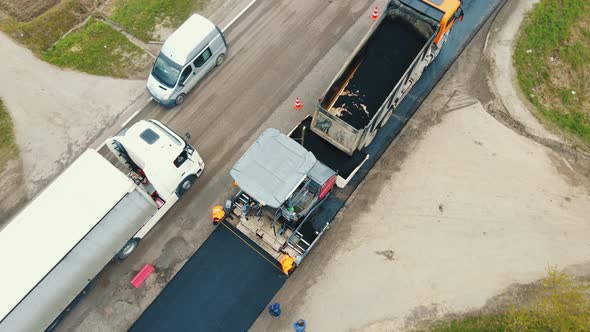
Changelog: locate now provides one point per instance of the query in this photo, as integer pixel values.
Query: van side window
(185, 73)
(201, 59)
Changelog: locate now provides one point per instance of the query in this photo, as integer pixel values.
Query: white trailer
(89, 215)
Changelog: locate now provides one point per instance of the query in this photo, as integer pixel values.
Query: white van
(186, 57)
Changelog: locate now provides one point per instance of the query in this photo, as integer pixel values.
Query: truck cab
(445, 12)
(159, 160)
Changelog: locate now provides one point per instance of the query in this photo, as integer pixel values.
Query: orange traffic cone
(375, 15)
(298, 105)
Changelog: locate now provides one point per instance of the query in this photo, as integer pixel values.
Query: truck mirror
(187, 135)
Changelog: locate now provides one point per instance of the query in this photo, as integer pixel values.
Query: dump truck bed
(376, 69)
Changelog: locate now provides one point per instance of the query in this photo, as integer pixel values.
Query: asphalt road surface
(276, 49)
(225, 285)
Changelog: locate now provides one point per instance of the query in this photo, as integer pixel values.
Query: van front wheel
(220, 59)
(180, 99)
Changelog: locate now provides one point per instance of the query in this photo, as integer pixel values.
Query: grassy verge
(141, 17)
(552, 60)
(8, 149)
(40, 33)
(557, 303)
(97, 48)
(484, 323)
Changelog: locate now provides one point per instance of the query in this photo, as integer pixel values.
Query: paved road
(206, 282)
(277, 49)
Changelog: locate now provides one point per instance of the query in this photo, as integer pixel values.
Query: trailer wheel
(220, 59)
(185, 185)
(127, 249)
(180, 99)
(55, 323)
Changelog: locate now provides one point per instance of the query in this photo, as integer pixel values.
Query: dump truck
(94, 212)
(283, 179)
(379, 74)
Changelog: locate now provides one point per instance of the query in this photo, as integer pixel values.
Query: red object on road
(375, 15)
(298, 105)
(142, 275)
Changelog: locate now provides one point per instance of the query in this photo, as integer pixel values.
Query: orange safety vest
(217, 214)
(287, 264)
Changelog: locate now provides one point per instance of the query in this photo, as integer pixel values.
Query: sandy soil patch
(56, 113)
(473, 209)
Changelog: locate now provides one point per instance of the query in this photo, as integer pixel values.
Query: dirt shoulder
(459, 208)
(56, 114)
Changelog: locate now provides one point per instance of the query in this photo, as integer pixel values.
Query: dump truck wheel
(386, 118)
(127, 249)
(371, 138)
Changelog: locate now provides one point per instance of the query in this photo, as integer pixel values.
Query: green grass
(43, 31)
(557, 29)
(98, 49)
(557, 303)
(8, 149)
(140, 17)
(485, 323)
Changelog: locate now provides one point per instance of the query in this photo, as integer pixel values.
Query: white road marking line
(130, 118)
(240, 14)
(136, 112)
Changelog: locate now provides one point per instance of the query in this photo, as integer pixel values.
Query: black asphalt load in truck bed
(327, 153)
(385, 62)
(192, 301)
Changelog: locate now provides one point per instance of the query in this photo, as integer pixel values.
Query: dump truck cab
(446, 12)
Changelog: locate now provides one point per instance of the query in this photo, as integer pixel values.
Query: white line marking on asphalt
(240, 14)
(130, 118)
(136, 112)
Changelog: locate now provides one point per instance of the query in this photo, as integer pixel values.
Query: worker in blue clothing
(274, 310)
(299, 325)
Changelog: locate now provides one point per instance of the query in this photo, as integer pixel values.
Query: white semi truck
(96, 211)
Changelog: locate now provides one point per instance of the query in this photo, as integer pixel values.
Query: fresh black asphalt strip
(226, 284)
(223, 287)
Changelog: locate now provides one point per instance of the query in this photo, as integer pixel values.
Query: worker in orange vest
(217, 213)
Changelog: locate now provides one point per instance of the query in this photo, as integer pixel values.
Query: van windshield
(166, 71)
